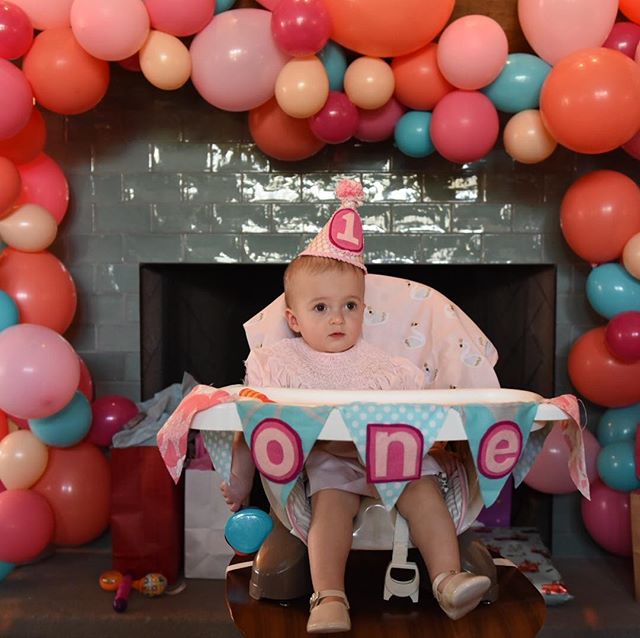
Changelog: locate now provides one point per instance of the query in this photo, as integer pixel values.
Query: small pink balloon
(26, 525)
(46, 15)
(375, 125)
(16, 100)
(464, 126)
(623, 336)
(607, 518)
(337, 121)
(180, 17)
(110, 415)
(632, 147)
(300, 27)
(44, 183)
(16, 32)
(624, 37)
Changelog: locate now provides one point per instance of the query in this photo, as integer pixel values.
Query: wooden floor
(519, 613)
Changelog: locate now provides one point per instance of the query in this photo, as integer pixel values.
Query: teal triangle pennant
(219, 445)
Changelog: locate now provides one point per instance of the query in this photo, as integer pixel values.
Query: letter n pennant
(280, 438)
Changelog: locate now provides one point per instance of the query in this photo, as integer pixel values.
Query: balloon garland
(309, 73)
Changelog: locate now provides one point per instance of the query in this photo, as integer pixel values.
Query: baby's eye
(320, 307)
(351, 305)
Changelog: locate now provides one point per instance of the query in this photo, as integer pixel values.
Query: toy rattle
(150, 585)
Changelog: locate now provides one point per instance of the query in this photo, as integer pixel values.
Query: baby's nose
(336, 317)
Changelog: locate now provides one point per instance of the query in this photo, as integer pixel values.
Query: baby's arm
(237, 491)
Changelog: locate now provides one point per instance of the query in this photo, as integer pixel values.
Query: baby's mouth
(337, 334)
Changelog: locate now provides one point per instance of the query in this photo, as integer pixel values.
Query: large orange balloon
(281, 136)
(77, 485)
(65, 79)
(41, 286)
(599, 376)
(386, 28)
(590, 101)
(600, 212)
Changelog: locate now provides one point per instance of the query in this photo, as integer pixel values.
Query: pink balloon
(607, 518)
(26, 525)
(236, 61)
(337, 121)
(110, 415)
(300, 27)
(110, 29)
(16, 100)
(623, 336)
(39, 371)
(556, 29)
(16, 32)
(180, 17)
(632, 147)
(464, 126)
(375, 125)
(46, 15)
(624, 37)
(44, 183)
(550, 471)
(472, 51)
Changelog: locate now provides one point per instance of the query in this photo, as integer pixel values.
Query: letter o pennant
(277, 450)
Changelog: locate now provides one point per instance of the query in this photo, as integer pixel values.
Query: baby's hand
(236, 492)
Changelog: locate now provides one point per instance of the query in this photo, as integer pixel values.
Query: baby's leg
(237, 491)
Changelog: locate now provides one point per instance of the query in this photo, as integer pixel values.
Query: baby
(324, 297)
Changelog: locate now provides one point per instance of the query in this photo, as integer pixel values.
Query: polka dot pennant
(219, 445)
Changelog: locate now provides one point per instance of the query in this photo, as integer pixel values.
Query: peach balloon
(23, 459)
(369, 82)
(631, 256)
(29, 228)
(302, 87)
(526, 139)
(165, 61)
(49, 14)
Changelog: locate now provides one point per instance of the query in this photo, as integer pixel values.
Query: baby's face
(327, 308)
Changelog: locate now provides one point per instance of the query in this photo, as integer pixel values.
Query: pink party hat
(342, 238)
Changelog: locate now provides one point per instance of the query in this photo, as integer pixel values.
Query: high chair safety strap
(400, 540)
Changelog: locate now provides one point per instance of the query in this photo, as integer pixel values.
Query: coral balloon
(557, 29)
(44, 183)
(281, 136)
(10, 185)
(65, 78)
(550, 471)
(590, 101)
(607, 518)
(631, 256)
(235, 61)
(526, 139)
(110, 415)
(472, 51)
(599, 213)
(16, 99)
(302, 87)
(464, 126)
(77, 485)
(23, 459)
(369, 83)
(28, 142)
(598, 375)
(180, 17)
(623, 336)
(419, 83)
(300, 27)
(624, 37)
(165, 61)
(86, 381)
(337, 121)
(631, 9)
(46, 15)
(41, 286)
(29, 228)
(26, 525)
(39, 371)
(16, 32)
(110, 29)
(386, 29)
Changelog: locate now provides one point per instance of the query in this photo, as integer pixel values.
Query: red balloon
(623, 336)
(41, 286)
(77, 485)
(607, 518)
(110, 415)
(337, 120)
(300, 27)
(86, 382)
(27, 143)
(599, 376)
(10, 186)
(599, 213)
(16, 32)
(624, 37)
(26, 525)
(4, 425)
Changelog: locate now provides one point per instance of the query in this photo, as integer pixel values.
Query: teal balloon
(5, 569)
(9, 314)
(334, 60)
(223, 5)
(612, 290)
(518, 86)
(619, 424)
(617, 466)
(66, 427)
(247, 529)
(412, 135)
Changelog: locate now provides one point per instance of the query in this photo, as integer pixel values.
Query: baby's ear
(291, 320)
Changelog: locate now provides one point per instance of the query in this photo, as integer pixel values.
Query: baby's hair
(312, 265)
